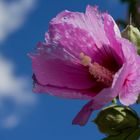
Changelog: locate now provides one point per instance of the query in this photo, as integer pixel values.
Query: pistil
(100, 73)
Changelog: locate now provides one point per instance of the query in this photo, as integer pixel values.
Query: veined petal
(79, 32)
(62, 73)
(96, 26)
(65, 92)
(74, 39)
(113, 36)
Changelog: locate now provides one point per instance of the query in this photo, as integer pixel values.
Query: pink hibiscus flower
(84, 57)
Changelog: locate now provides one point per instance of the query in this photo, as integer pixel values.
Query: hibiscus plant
(84, 56)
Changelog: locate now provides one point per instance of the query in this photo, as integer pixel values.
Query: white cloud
(16, 98)
(13, 15)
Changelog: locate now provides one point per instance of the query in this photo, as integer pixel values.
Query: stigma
(99, 72)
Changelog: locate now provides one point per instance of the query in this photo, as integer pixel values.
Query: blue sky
(23, 114)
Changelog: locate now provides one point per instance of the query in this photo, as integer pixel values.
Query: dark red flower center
(99, 72)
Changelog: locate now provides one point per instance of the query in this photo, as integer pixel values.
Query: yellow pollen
(86, 60)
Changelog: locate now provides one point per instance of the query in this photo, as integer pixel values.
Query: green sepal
(135, 135)
(117, 119)
(132, 34)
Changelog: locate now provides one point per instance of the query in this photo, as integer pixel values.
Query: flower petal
(61, 73)
(131, 88)
(113, 36)
(69, 31)
(78, 32)
(83, 116)
(65, 92)
(102, 98)
(95, 25)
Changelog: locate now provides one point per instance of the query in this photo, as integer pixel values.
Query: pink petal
(83, 116)
(105, 32)
(95, 25)
(113, 37)
(55, 67)
(102, 98)
(131, 88)
(65, 92)
(73, 38)
(78, 32)
(61, 73)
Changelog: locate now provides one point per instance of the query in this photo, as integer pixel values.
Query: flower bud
(132, 34)
(116, 119)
